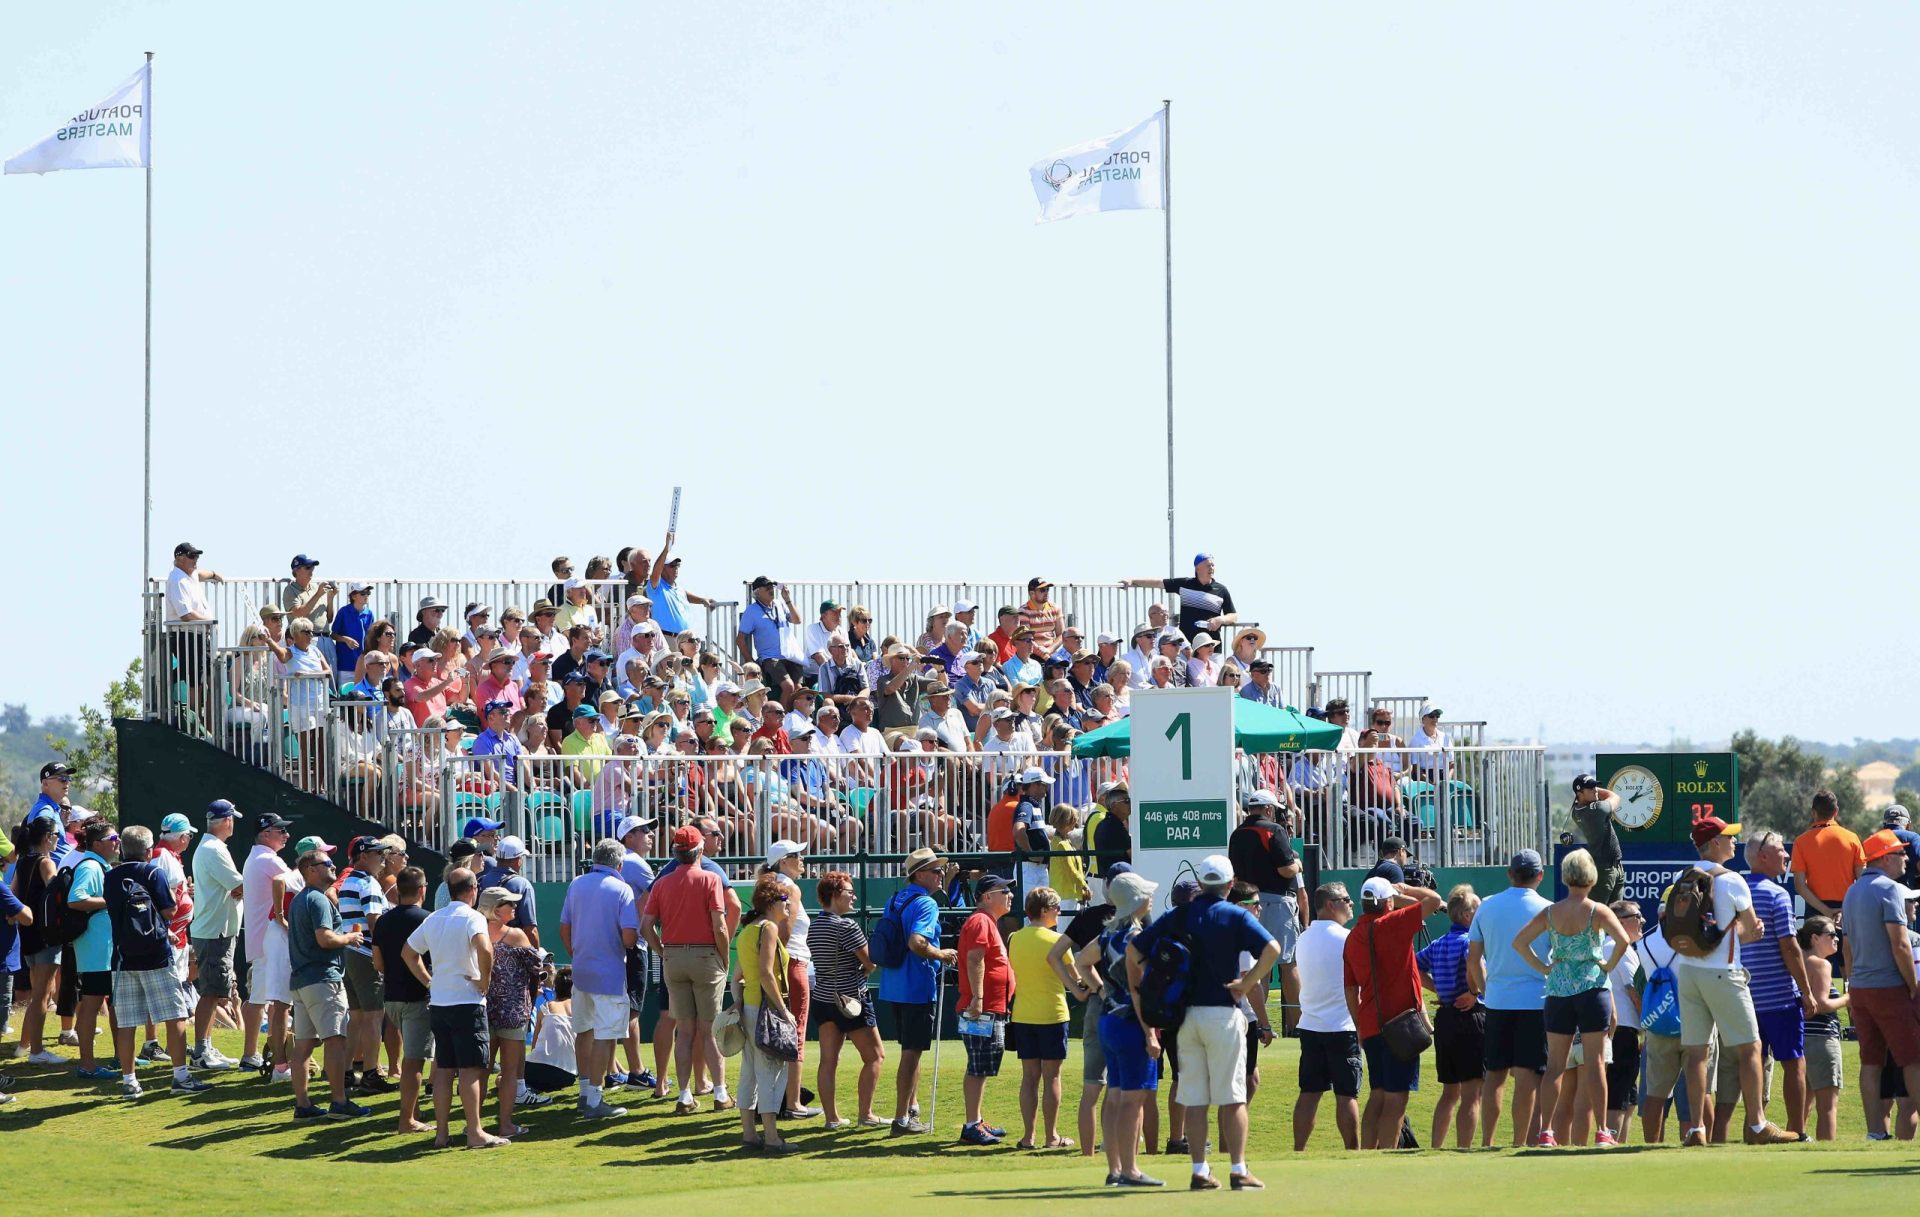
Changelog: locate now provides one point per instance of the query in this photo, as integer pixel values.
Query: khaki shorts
(1823, 1063)
(320, 1011)
(1726, 1078)
(416, 1029)
(363, 985)
(214, 959)
(1664, 1059)
(1714, 1002)
(1213, 1057)
(601, 1015)
(695, 978)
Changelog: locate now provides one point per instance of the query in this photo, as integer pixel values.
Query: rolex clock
(1641, 796)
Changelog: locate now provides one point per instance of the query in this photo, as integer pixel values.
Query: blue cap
(175, 823)
(575, 677)
(497, 704)
(1526, 862)
(479, 824)
(221, 809)
(300, 560)
(1184, 890)
(1202, 557)
(596, 655)
(1120, 868)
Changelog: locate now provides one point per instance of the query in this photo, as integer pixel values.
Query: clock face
(1641, 797)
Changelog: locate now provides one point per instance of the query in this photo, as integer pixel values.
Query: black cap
(1037, 582)
(990, 884)
(55, 769)
(266, 820)
(463, 848)
(1584, 781)
(759, 581)
(187, 549)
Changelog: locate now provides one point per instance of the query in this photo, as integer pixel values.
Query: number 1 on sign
(1182, 725)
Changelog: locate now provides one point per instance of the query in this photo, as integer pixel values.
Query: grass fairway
(236, 1150)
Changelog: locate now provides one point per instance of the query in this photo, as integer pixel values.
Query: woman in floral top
(516, 978)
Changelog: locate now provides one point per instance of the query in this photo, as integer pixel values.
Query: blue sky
(1552, 361)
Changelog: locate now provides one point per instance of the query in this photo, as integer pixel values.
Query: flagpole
(1166, 210)
(146, 488)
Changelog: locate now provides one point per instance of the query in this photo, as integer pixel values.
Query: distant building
(1876, 783)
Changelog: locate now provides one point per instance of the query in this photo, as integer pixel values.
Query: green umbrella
(1257, 728)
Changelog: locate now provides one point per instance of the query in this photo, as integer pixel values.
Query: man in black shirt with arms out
(406, 997)
(1261, 851)
(1205, 603)
(1593, 808)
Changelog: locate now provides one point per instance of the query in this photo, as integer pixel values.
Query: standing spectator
(841, 1008)
(1818, 943)
(455, 938)
(1623, 1063)
(1515, 996)
(1213, 1035)
(1030, 842)
(1882, 988)
(761, 989)
(636, 838)
(910, 988)
(1896, 820)
(1460, 1024)
(510, 991)
(1827, 858)
(814, 645)
(599, 924)
(1593, 810)
(1329, 1044)
(1664, 1056)
(1039, 1017)
(349, 633)
(139, 897)
(404, 998)
(266, 882)
(33, 870)
(302, 597)
(510, 860)
(1205, 602)
(763, 624)
(787, 861)
(315, 943)
(92, 953)
(1130, 1046)
(1579, 1001)
(986, 983)
(362, 899)
(1043, 618)
(1112, 838)
(1714, 1000)
(685, 924)
(1777, 975)
(217, 915)
(187, 604)
(1261, 851)
(670, 603)
(1382, 982)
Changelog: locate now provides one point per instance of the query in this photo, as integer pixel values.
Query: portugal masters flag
(1117, 172)
(112, 134)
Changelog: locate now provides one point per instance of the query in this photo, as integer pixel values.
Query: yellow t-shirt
(580, 745)
(747, 949)
(1039, 995)
(1067, 871)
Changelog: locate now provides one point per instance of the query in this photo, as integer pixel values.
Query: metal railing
(1404, 712)
(900, 608)
(1326, 686)
(1292, 674)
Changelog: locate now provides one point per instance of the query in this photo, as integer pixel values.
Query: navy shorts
(1038, 1041)
(459, 1036)
(1330, 1060)
(1459, 1044)
(1386, 1071)
(1588, 1012)
(1129, 1067)
(1516, 1039)
(826, 1010)
(913, 1025)
(1783, 1033)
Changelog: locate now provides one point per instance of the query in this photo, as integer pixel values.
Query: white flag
(110, 135)
(1117, 172)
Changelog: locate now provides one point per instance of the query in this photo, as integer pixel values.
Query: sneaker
(1879, 1136)
(798, 1113)
(533, 1098)
(1177, 1145)
(349, 1110)
(908, 1127)
(975, 1134)
(1244, 1181)
(1697, 1136)
(874, 1122)
(282, 1074)
(1605, 1138)
(643, 1080)
(251, 1061)
(190, 1085)
(1203, 1183)
(1113, 1180)
(5, 1098)
(1771, 1134)
(153, 1054)
(8, 1081)
(309, 1112)
(1138, 1181)
(130, 1090)
(614, 1081)
(600, 1111)
(685, 1109)
(216, 1059)
(1546, 1140)
(995, 1129)
(70, 1038)
(99, 1073)
(43, 1057)
(373, 1083)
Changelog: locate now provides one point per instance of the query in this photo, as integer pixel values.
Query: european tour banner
(112, 134)
(1117, 172)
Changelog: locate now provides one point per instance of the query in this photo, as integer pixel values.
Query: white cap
(1215, 870)
(425, 653)
(1376, 888)
(76, 813)
(781, 850)
(1000, 715)
(1033, 773)
(510, 848)
(1262, 798)
(628, 823)
(1103, 638)
(358, 586)
(964, 606)
(572, 583)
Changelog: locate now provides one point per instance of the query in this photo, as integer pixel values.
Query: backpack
(1167, 979)
(887, 946)
(1660, 1002)
(60, 922)
(140, 937)
(1687, 920)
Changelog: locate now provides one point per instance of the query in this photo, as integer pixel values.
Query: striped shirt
(833, 939)
(1047, 623)
(1445, 959)
(1767, 977)
(360, 898)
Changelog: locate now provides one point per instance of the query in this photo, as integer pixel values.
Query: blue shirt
(1511, 984)
(1872, 902)
(10, 907)
(761, 623)
(44, 806)
(93, 950)
(670, 611)
(506, 747)
(1272, 697)
(526, 916)
(599, 906)
(1768, 981)
(313, 964)
(350, 622)
(913, 982)
(1445, 959)
(1220, 932)
(639, 876)
(706, 863)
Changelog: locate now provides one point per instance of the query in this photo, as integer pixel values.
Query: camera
(1419, 875)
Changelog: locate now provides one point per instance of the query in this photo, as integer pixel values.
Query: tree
(1777, 781)
(95, 757)
(14, 718)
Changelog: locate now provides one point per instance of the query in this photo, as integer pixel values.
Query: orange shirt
(1828, 857)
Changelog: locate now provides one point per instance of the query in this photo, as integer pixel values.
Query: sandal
(1059, 1142)
(1023, 1145)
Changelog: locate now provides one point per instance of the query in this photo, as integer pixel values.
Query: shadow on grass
(1050, 1192)
(1911, 1168)
(22, 1114)
(1588, 1151)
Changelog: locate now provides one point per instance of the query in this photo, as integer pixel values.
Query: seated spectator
(1373, 797)
(574, 657)
(1120, 679)
(573, 696)
(1161, 673)
(496, 683)
(588, 743)
(1022, 668)
(562, 568)
(972, 691)
(428, 688)
(950, 650)
(578, 609)
(1172, 647)
(1247, 645)
(944, 719)
(817, 635)
(800, 712)
(860, 634)
(427, 619)
(512, 619)
(1259, 684)
(1072, 642)
(936, 631)
(843, 676)
(1002, 635)
(637, 625)
(1432, 750)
